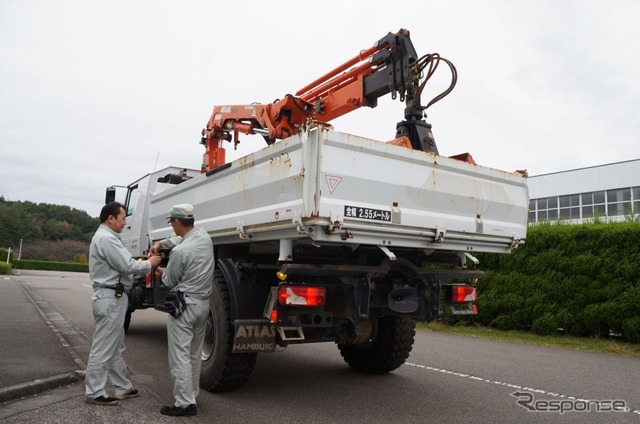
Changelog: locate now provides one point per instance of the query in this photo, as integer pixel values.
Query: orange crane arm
(390, 66)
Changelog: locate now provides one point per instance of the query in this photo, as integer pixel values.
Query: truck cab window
(132, 199)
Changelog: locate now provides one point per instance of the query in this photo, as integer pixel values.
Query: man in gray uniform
(110, 268)
(190, 270)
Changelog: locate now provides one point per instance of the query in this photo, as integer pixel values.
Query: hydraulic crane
(327, 236)
(390, 66)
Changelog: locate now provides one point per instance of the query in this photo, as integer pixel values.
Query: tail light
(463, 294)
(461, 298)
(301, 296)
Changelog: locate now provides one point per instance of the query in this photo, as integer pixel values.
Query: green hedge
(50, 266)
(582, 280)
(5, 268)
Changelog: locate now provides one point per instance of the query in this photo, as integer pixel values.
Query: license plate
(367, 213)
(253, 335)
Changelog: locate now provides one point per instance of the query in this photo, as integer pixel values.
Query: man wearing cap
(190, 270)
(110, 268)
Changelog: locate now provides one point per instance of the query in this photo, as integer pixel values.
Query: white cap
(184, 211)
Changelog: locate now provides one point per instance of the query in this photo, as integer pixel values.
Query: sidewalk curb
(37, 386)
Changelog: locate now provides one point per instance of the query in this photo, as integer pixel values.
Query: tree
(36, 223)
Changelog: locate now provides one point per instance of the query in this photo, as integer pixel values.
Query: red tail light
(460, 298)
(301, 295)
(463, 294)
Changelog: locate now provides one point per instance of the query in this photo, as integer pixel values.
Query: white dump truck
(323, 236)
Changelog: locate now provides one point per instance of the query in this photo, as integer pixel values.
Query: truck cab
(135, 235)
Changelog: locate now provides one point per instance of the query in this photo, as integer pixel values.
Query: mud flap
(253, 336)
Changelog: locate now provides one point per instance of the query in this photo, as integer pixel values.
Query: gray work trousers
(105, 357)
(185, 336)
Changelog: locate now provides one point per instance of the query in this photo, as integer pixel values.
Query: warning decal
(332, 182)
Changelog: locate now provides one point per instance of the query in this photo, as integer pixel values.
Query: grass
(568, 342)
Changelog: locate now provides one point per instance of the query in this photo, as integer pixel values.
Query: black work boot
(133, 393)
(102, 400)
(176, 411)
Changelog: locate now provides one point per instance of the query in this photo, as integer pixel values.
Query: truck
(325, 236)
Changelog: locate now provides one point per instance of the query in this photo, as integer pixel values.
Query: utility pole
(19, 257)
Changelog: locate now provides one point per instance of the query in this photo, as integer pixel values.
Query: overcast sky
(95, 93)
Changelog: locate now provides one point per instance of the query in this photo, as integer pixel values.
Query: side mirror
(110, 195)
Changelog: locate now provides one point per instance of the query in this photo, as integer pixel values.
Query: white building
(608, 192)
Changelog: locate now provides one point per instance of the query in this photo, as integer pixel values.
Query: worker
(111, 269)
(189, 271)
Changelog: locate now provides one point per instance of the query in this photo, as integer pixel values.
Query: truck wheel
(222, 370)
(388, 348)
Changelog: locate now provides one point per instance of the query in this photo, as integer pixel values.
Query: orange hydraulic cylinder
(214, 155)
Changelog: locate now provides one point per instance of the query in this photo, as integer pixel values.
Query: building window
(599, 205)
(619, 202)
(542, 204)
(598, 198)
(619, 195)
(620, 209)
(570, 207)
(546, 208)
(587, 205)
(532, 210)
(615, 203)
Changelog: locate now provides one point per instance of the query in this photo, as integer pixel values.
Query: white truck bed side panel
(297, 187)
(429, 191)
(249, 192)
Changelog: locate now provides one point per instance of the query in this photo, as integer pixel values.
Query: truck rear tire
(388, 348)
(221, 370)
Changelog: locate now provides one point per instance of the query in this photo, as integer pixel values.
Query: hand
(155, 260)
(155, 249)
(159, 271)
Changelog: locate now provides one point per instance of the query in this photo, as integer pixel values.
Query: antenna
(155, 165)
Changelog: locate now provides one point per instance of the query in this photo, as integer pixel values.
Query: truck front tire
(388, 348)
(221, 370)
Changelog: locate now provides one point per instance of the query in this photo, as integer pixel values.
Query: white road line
(511, 385)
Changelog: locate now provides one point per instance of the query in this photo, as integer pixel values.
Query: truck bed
(323, 186)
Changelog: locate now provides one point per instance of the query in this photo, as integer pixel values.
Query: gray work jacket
(191, 264)
(110, 262)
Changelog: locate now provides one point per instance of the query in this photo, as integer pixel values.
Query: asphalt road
(447, 379)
